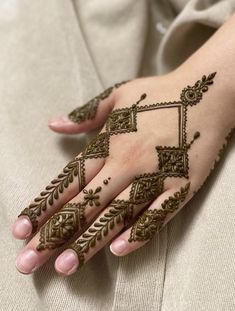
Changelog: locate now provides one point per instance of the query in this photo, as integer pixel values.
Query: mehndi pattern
(89, 110)
(172, 162)
(69, 220)
(152, 220)
(52, 192)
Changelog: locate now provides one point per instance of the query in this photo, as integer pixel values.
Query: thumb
(87, 117)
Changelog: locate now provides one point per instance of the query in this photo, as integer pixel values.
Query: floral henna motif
(191, 95)
(144, 189)
(91, 197)
(89, 110)
(173, 161)
(151, 221)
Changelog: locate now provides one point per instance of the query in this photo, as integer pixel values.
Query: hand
(159, 143)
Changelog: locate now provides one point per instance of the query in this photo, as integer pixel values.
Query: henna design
(91, 197)
(145, 188)
(69, 220)
(54, 190)
(191, 95)
(98, 147)
(62, 226)
(151, 221)
(173, 162)
(119, 210)
(89, 110)
(220, 154)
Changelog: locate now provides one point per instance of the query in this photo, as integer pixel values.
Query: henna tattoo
(91, 197)
(219, 156)
(54, 190)
(145, 188)
(65, 223)
(106, 181)
(151, 221)
(98, 147)
(62, 226)
(89, 110)
(173, 162)
(191, 95)
(118, 211)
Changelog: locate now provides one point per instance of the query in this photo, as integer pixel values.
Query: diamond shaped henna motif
(173, 161)
(62, 226)
(121, 121)
(147, 225)
(98, 147)
(146, 188)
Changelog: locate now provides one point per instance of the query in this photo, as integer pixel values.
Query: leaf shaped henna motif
(118, 211)
(75, 168)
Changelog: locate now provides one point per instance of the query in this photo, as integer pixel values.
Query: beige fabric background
(54, 55)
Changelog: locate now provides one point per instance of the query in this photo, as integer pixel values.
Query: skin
(213, 117)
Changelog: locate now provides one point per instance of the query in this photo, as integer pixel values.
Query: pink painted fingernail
(60, 121)
(67, 262)
(118, 247)
(27, 261)
(22, 228)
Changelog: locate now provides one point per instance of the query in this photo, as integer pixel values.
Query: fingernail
(60, 121)
(67, 263)
(27, 261)
(22, 228)
(118, 247)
